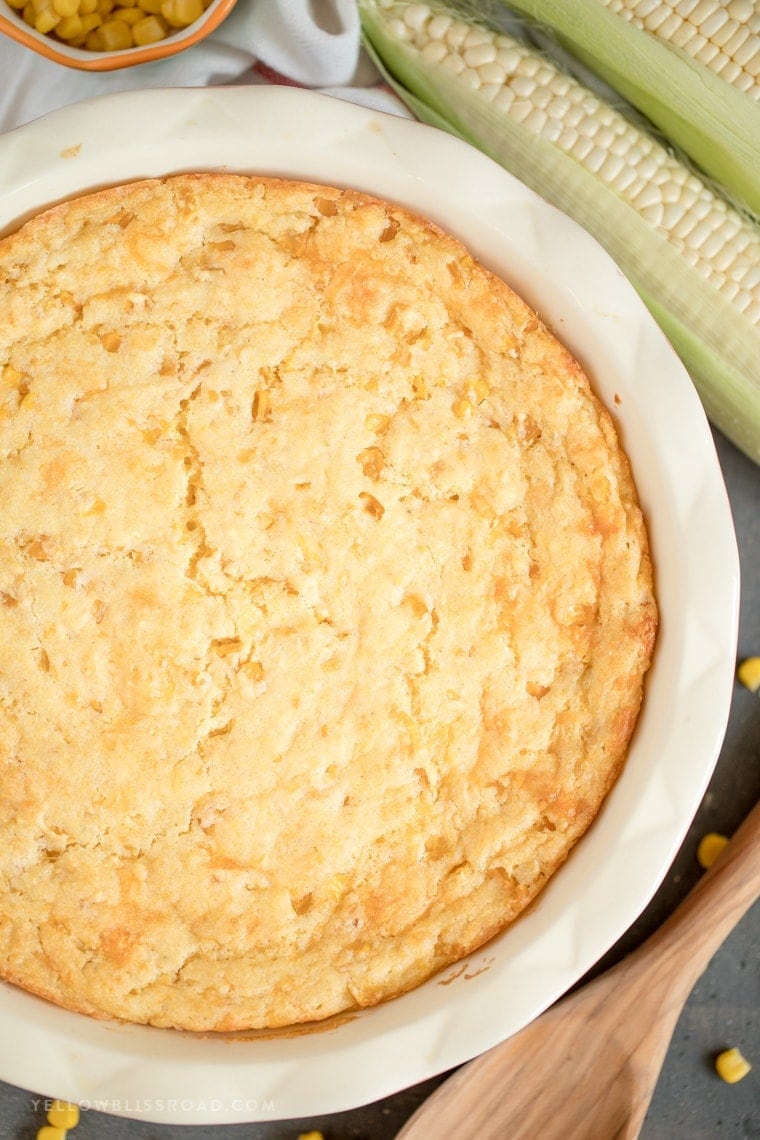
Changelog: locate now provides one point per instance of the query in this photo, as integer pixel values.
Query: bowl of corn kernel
(103, 35)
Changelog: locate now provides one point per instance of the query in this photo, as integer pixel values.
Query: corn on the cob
(691, 66)
(725, 37)
(694, 259)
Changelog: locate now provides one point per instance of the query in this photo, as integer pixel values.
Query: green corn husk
(713, 123)
(719, 345)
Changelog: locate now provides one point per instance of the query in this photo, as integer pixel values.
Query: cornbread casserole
(325, 603)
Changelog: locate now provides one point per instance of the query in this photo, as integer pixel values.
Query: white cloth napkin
(311, 43)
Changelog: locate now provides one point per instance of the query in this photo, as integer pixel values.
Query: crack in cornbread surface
(325, 603)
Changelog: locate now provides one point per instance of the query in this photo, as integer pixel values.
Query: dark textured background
(690, 1102)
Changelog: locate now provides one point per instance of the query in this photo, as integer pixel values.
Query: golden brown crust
(325, 603)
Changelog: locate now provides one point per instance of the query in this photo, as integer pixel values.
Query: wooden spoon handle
(699, 925)
(588, 1065)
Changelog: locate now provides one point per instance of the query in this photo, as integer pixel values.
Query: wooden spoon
(587, 1067)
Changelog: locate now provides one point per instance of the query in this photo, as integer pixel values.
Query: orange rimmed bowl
(14, 26)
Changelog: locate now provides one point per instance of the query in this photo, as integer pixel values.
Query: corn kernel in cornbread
(308, 681)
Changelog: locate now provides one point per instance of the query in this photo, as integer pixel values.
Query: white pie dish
(181, 1078)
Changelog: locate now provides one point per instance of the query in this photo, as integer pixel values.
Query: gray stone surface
(690, 1102)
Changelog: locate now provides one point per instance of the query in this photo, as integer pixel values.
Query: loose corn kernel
(19, 4)
(50, 1132)
(66, 7)
(710, 847)
(29, 15)
(63, 1114)
(748, 673)
(90, 21)
(731, 1066)
(87, 6)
